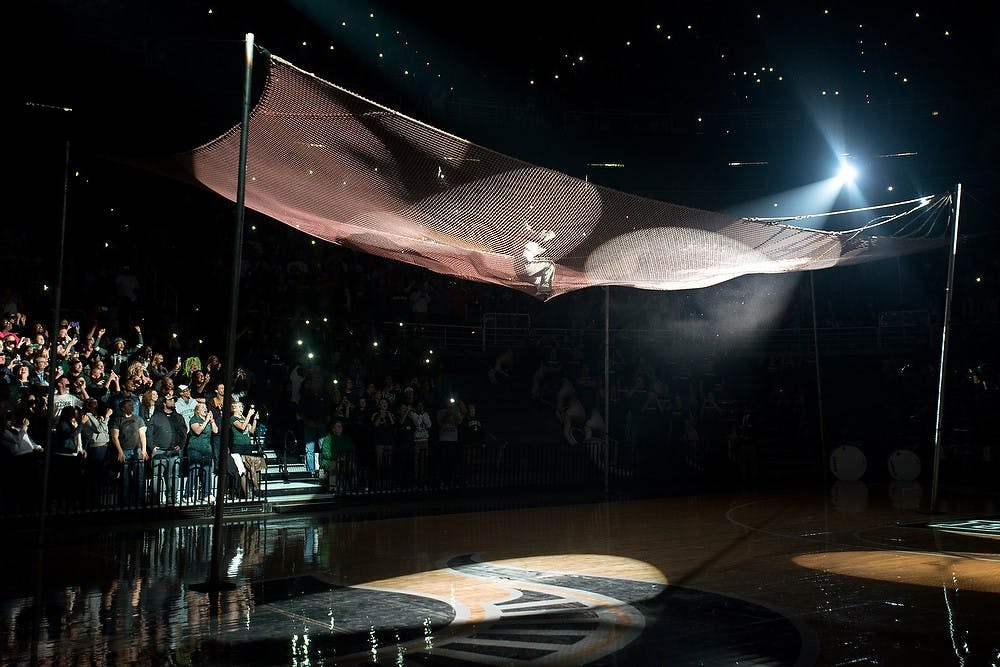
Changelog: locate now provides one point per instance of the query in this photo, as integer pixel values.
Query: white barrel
(904, 465)
(848, 463)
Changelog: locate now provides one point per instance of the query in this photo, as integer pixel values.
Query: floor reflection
(715, 580)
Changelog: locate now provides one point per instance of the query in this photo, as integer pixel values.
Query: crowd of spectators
(121, 405)
(118, 412)
(306, 357)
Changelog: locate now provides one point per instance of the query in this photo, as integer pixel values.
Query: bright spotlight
(847, 173)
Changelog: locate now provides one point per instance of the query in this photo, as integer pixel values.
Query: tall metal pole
(215, 579)
(56, 307)
(946, 328)
(819, 382)
(607, 385)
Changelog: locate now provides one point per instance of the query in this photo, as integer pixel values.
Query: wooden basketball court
(835, 577)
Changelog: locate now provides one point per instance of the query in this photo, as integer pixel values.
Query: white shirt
(60, 401)
(185, 408)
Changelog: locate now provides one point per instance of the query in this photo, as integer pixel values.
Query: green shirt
(241, 439)
(334, 447)
(200, 445)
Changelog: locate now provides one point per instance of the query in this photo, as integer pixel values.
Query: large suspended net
(347, 170)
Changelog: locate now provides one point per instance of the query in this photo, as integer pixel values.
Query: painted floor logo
(552, 610)
(509, 613)
(986, 527)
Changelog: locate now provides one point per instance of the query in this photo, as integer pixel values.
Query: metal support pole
(819, 382)
(56, 307)
(216, 580)
(946, 328)
(607, 385)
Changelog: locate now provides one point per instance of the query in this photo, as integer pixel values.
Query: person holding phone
(158, 370)
(243, 427)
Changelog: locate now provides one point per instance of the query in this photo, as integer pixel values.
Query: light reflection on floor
(969, 572)
(775, 579)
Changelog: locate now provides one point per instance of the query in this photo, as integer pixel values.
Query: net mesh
(344, 169)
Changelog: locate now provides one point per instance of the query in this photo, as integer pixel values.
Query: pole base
(213, 586)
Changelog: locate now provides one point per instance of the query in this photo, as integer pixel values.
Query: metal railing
(494, 465)
(79, 485)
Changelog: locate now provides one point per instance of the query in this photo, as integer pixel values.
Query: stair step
(316, 500)
(293, 483)
(307, 505)
(276, 473)
(294, 464)
(303, 496)
(292, 488)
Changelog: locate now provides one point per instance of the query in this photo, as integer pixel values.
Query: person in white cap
(185, 404)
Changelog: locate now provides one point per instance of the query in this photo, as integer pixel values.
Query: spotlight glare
(847, 173)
